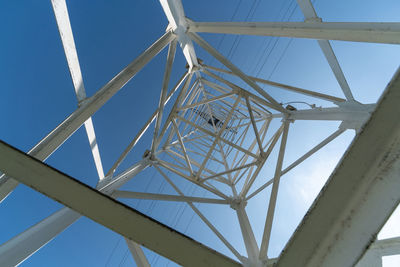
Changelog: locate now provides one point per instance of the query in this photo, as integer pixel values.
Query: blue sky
(37, 94)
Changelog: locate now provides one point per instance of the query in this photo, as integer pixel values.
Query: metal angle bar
(355, 113)
(247, 233)
(274, 194)
(377, 250)
(173, 165)
(284, 86)
(244, 157)
(206, 101)
(186, 127)
(175, 14)
(237, 178)
(370, 32)
(193, 143)
(240, 140)
(140, 195)
(93, 204)
(250, 174)
(386, 247)
(176, 105)
(174, 158)
(182, 157)
(225, 163)
(16, 250)
(229, 171)
(196, 137)
(234, 87)
(192, 93)
(183, 147)
(144, 128)
(137, 253)
(216, 136)
(202, 217)
(338, 231)
(67, 39)
(174, 143)
(235, 69)
(164, 89)
(222, 90)
(62, 132)
(22, 246)
(219, 144)
(310, 14)
(209, 110)
(194, 98)
(212, 190)
(313, 150)
(273, 141)
(300, 160)
(203, 155)
(225, 124)
(254, 126)
(336, 69)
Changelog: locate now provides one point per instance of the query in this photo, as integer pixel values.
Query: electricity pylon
(216, 134)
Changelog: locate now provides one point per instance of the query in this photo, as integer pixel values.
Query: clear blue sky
(37, 94)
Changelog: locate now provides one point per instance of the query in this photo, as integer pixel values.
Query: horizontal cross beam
(107, 211)
(338, 230)
(370, 32)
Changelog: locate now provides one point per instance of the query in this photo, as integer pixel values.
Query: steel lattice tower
(218, 136)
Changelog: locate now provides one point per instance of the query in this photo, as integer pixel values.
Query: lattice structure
(217, 135)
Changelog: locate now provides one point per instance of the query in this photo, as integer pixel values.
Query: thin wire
(286, 48)
(224, 35)
(113, 250)
(123, 258)
(269, 40)
(277, 38)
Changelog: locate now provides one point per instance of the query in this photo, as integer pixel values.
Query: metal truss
(218, 136)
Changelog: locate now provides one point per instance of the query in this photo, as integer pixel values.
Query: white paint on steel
(173, 10)
(338, 230)
(67, 38)
(108, 212)
(22, 246)
(62, 132)
(370, 32)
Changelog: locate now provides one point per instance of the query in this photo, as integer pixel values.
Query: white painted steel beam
(326, 97)
(22, 246)
(62, 132)
(387, 247)
(299, 160)
(234, 87)
(137, 253)
(310, 15)
(139, 135)
(106, 211)
(248, 234)
(370, 32)
(67, 38)
(377, 250)
(353, 116)
(202, 217)
(338, 230)
(175, 14)
(206, 46)
(217, 137)
(164, 89)
(274, 195)
(164, 197)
